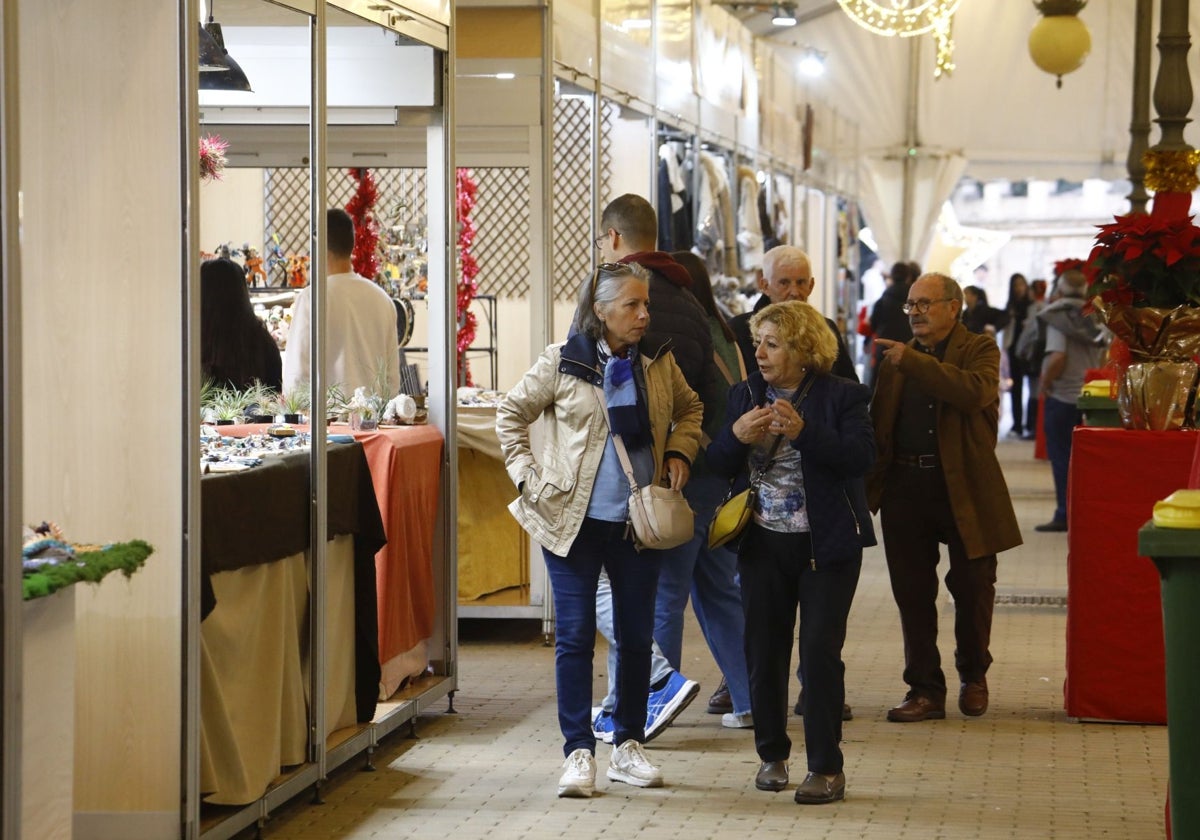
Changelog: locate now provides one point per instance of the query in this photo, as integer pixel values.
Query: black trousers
(916, 519)
(776, 575)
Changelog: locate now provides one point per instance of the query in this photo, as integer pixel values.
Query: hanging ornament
(464, 194)
(365, 257)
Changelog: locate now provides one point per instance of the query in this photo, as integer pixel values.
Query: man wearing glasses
(937, 480)
(786, 275)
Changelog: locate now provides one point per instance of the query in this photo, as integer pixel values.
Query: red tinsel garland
(465, 191)
(365, 257)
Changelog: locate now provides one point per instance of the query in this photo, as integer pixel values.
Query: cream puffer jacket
(556, 487)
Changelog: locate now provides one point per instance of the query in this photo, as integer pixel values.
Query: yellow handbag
(731, 517)
(733, 514)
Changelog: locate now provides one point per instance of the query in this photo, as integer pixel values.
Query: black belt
(925, 462)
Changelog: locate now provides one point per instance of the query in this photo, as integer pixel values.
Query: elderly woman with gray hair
(605, 381)
(808, 436)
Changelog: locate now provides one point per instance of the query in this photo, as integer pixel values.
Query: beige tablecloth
(254, 671)
(493, 550)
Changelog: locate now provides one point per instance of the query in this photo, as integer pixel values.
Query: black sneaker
(1054, 526)
(720, 703)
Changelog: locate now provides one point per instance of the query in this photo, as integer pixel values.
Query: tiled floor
(1023, 770)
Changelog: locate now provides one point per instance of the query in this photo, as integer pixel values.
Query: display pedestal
(1114, 604)
(48, 716)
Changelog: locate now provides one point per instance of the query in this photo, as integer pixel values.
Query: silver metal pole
(317, 464)
(10, 428)
(190, 578)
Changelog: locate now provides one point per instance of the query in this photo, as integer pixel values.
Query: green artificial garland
(88, 565)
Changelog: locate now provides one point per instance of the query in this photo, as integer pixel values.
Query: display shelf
(491, 350)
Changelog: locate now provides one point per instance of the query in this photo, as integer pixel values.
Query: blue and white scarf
(625, 417)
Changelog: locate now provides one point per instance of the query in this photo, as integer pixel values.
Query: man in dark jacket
(786, 275)
(630, 228)
(937, 480)
(888, 320)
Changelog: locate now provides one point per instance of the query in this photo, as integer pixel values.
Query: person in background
(360, 323)
(1072, 347)
(236, 349)
(787, 275)
(573, 500)
(1019, 302)
(708, 575)
(810, 432)
(630, 230)
(888, 320)
(936, 410)
(979, 316)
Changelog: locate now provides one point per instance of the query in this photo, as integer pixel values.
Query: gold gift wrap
(1152, 332)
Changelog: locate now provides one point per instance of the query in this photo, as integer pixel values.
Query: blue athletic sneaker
(602, 725)
(665, 704)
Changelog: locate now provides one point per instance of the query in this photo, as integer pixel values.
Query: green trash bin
(1176, 553)
(1099, 411)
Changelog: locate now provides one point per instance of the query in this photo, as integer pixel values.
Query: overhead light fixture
(218, 70)
(812, 63)
(785, 15)
(1060, 41)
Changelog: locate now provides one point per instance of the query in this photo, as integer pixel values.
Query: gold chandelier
(907, 18)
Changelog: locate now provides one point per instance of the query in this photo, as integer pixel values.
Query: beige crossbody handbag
(660, 517)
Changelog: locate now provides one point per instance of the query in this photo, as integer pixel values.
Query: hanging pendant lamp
(218, 69)
(1060, 41)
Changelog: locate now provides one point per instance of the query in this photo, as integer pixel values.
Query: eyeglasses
(597, 240)
(921, 306)
(607, 268)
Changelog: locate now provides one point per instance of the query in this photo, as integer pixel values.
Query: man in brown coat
(936, 411)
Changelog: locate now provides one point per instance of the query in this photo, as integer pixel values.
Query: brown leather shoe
(916, 708)
(819, 789)
(720, 703)
(772, 775)
(973, 698)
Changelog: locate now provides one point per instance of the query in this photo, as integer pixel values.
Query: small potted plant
(337, 404)
(294, 402)
(260, 401)
(228, 406)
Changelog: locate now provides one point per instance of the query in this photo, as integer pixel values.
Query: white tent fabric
(997, 116)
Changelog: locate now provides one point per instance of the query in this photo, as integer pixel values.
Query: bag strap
(756, 479)
(724, 368)
(618, 444)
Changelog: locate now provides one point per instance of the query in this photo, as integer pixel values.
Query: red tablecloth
(1115, 659)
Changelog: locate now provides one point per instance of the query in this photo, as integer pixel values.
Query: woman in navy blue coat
(803, 546)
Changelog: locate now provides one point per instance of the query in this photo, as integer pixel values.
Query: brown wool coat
(966, 385)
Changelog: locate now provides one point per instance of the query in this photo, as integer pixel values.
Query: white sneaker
(745, 720)
(630, 765)
(579, 775)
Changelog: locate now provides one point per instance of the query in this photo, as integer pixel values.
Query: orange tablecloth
(405, 469)
(1115, 658)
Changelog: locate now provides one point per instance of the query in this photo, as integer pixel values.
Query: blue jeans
(574, 578)
(660, 668)
(1060, 422)
(708, 576)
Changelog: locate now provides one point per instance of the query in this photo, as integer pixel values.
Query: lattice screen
(501, 215)
(502, 238)
(571, 222)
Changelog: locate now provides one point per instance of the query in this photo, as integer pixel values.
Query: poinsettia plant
(1140, 260)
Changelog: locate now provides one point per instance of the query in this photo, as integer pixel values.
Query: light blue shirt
(610, 493)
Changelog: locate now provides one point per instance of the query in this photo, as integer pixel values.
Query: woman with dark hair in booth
(235, 347)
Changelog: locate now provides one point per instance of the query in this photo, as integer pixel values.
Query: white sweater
(360, 336)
